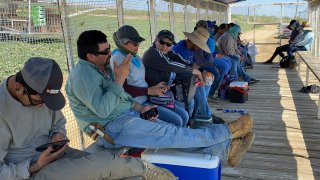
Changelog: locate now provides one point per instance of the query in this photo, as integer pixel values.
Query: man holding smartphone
(30, 116)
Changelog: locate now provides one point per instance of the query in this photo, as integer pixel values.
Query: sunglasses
(162, 42)
(33, 102)
(104, 52)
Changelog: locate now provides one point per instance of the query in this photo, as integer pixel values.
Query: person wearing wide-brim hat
(198, 39)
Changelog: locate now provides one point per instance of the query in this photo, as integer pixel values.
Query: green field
(14, 53)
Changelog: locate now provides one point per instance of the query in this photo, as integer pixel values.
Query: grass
(14, 53)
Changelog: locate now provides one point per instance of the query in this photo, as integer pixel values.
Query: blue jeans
(292, 49)
(237, 69)
(128, 129)
(190, 104)
(202, 109)
(177, 116)
(223, 67)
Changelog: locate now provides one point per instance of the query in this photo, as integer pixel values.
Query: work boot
(152, 172)
(239, 147)
(241, 126)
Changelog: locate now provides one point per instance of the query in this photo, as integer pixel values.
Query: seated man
(302, 42)
(30, 116)
(297, 30)
(96, 96)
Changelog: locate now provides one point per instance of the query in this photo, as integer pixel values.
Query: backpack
(284, 63)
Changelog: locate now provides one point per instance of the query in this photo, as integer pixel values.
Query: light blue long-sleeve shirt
(94, 97)
(306, 40)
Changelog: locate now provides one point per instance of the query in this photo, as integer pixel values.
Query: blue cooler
(186, 166)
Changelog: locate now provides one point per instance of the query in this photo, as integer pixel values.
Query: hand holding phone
(150, 113)
(55, 145)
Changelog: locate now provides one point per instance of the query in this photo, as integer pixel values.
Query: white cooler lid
(240, 84)
(179, 158)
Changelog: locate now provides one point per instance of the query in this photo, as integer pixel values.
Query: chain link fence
(50, 28)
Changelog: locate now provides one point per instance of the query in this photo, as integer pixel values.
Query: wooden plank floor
(287, 143)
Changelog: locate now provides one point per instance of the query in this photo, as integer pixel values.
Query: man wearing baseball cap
(30, 116)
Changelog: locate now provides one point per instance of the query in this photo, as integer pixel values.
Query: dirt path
(265, 34)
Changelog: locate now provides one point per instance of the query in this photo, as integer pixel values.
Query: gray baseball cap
(45, 76)
(128, 32)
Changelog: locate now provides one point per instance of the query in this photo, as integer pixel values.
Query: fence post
(68, 48)
(152, 20)
(185, 15)
(198, 10)
(229, 15)
(120, 13)
(171, 16)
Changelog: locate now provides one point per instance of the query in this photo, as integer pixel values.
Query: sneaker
(241, 126)
(268, 62)
(213, 99)
(253, 81)
(238, 148)
(152, 172)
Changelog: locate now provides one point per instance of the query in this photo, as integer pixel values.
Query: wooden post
(152, 20)
(186, 17)
(120, 13)
(198, 10)
(318, 114)
(171, 16)
(307, 77)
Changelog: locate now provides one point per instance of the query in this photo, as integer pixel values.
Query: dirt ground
(265, 34)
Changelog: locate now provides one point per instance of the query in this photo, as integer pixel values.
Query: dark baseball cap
(166, 34)
(45, 77)
(128, 32)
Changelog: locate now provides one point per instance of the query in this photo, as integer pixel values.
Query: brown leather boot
(241, 126)
(238, 148)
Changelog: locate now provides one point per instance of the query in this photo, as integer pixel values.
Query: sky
(288, 10)
(266, 1)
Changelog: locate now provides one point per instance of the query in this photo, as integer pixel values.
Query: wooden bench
(313, 65)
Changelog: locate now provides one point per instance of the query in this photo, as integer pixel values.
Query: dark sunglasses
(104, 52)
(33, 102)
(162, 42)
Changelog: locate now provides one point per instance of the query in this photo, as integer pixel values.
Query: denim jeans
(223, 67)
(128, 129)
(177, 116)
(202, 109)
(190, 104)
(237, 69)
(292, 49)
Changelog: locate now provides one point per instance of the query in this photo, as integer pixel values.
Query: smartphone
(149, 114)
(55, 145)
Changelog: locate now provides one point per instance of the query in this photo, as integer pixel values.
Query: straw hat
(199, 37)
(306, 26)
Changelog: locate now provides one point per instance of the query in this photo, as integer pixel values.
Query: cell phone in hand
(149, 114)
(55, 145)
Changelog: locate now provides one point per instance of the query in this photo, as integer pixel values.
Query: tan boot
(239, 147)
(152, 172)
(241, 126)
